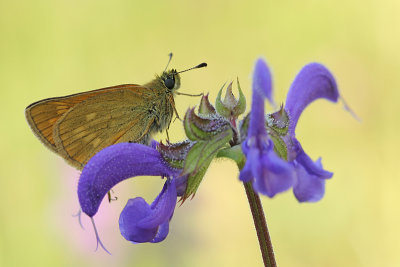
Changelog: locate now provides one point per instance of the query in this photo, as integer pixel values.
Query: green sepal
(240, 107)
(277, 125)
(175, 154)
(187, 127)
(199, 158)
(244, 127)
(278, 121)
(205, 107)
(203, 128)
(279, 145)
(230, 107)
(195, 126)
(234, 153)
(220, 106)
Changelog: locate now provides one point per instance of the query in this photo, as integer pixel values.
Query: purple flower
(139, 222)
(269, 173)
(314, 81)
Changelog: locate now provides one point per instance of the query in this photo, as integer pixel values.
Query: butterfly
(78, 126)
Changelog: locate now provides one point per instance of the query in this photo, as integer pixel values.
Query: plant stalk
(261, 226)
(257, 211)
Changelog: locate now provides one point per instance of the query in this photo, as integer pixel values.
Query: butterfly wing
(120, 115)
(43, 115)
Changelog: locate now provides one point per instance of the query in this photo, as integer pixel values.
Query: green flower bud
(205, 107)
(230, 107)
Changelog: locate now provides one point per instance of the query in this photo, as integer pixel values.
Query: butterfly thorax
(163, 105)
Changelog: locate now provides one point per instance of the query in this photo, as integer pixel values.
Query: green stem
(261, 226)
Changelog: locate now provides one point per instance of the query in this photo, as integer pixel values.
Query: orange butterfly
(78, 126)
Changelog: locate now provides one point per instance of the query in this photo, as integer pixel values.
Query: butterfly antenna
(78, 214)
(98, 238)
(170, 57)
(202, 65)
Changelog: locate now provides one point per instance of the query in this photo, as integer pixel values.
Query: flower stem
(261, 226)
(258, 213)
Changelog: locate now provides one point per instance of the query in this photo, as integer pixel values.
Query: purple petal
(308, 187)
(252, 163)
(313, 81)
(140, 222)
(162, 233)
(276, 175)
(113, 165)
(135, 210)
(162, 207)
(262, 81)
(246, 174)
(154, 143)
(262, 88)
(298, 154)
(312, 168)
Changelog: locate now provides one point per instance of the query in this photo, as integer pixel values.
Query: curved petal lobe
(113, 165)
(311, 167)
(162, 233)
(135, 210)
(140, 222)
(308, 187)
(314, 81)
(162, 207)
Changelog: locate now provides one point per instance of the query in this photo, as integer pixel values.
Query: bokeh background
(55, 48)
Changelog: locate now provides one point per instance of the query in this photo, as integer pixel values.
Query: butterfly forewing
(103, 120)
(43, 115)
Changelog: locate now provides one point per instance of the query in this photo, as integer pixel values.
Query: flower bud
(203, 128)
(205, 107)
(230, 107)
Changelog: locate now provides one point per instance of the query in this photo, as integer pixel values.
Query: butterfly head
(171, 79)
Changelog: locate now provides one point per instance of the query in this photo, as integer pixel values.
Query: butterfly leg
(179, 93)
(176, 114)
(166, 130)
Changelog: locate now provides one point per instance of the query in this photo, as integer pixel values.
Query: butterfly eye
(169, 83)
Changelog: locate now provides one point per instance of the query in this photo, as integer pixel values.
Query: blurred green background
(55, 48)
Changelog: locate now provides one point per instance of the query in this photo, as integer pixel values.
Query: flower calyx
(210, 133)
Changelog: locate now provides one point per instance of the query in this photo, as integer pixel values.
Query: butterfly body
(78, 126)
